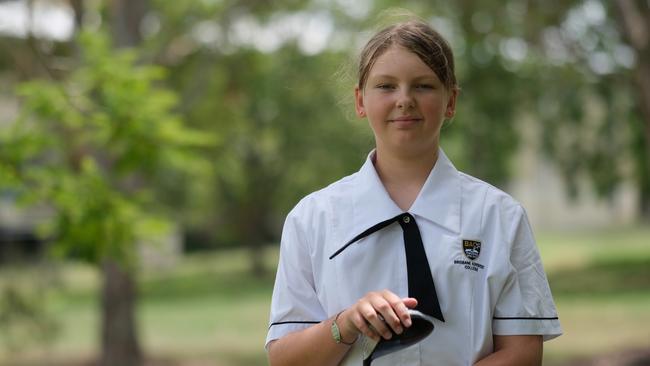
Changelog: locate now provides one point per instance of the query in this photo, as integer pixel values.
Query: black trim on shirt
(293, 322)
(367, 232)
(523, 318)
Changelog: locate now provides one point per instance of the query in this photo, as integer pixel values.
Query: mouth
(405, 119)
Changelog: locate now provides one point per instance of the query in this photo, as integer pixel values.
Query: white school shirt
(497, 287)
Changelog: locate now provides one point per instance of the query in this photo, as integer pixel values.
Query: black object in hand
(421, 327)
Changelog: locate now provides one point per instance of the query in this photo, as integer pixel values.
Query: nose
(405, 100)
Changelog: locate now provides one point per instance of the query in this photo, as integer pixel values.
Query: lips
(405, 119)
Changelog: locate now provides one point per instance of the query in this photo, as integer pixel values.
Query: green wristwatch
(336, 332)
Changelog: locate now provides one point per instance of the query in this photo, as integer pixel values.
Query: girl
(409, 231)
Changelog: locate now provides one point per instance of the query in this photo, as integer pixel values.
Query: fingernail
(407, 322)
(399, 330)
(388, 335)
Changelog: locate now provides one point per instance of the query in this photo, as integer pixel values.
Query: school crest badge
(471, 248)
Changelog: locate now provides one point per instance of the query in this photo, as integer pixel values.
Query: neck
(404, 176)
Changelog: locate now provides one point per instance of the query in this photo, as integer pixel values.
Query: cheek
(373, 122)
(435, 107)
(376, 105)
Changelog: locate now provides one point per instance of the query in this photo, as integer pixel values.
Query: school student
(406, 231)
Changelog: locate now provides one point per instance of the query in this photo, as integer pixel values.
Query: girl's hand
(375, 314)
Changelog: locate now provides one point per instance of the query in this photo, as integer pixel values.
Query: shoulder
(502, 219)
(493, 202)
(315, 217)
(320, 203)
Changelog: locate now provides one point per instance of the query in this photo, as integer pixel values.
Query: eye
(385, 86)
(424, 86)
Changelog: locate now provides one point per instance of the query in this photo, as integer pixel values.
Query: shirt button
(406, 219)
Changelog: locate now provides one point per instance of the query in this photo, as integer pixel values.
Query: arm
(519, 350)
(524, 309)
(315, 345)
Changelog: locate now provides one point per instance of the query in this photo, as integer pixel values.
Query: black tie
(420, 280)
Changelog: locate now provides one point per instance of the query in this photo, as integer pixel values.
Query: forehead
(398, 61)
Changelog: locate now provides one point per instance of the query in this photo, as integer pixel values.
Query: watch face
(336, 334)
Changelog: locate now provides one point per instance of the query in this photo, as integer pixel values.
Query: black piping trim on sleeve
(293, 322)
(523, 318)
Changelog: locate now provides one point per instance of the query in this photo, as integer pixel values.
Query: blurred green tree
(89, 147)
(593, 94)
(633, 19)
(283, 136)
(276, 112)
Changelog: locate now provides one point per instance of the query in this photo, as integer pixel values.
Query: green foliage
(291, 138)
(590, 119)
(283, 135)
(91, 148)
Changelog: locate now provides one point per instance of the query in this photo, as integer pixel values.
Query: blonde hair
(417, 37)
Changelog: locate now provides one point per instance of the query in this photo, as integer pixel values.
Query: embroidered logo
(471, 248)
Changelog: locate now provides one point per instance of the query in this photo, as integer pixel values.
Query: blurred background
(150, 149)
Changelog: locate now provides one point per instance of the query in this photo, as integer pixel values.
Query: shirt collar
(438, 201)
(440, 198)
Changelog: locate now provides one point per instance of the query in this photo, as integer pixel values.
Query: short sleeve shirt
(479, 244)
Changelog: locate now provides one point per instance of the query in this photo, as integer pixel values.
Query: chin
(412, 149)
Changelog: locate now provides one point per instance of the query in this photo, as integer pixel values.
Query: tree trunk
(252, 223)
(78, 9)
(126, 18)
(120, 344)
(119, 337)
(634, 21)
(254, 209)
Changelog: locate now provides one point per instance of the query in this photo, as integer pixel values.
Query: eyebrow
(386, 76)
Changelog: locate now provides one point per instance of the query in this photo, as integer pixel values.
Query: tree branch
(634, 24)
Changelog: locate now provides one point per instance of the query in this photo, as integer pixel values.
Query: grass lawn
(209, 311)
(601, 284)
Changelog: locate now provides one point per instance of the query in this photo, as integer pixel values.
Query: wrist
(341, 330)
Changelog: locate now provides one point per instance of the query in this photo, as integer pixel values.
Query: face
(405, 103)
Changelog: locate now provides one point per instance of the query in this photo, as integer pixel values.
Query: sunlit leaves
(90, 146)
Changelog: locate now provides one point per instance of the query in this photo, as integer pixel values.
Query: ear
(358, 102)
(450, 111)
